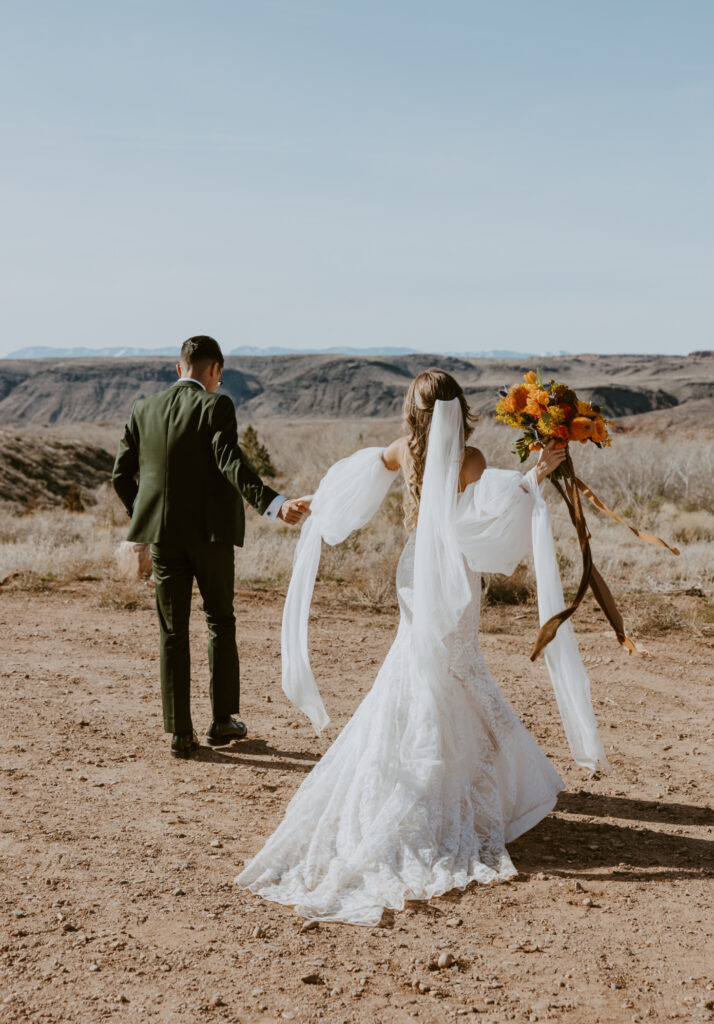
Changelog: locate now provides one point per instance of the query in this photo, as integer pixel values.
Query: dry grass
(519, 588)
(55, 545)
(378, 595)
(667, 488)
(119, 594)
(653, 615)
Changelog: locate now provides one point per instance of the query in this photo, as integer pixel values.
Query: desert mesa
(664, 389)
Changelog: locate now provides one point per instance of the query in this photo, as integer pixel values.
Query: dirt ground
(117, 863)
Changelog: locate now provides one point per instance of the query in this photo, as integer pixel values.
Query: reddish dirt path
(117, 863)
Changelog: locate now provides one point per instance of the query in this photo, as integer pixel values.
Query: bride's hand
(292, 511)
(550, 458)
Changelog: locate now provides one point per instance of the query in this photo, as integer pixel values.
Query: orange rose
(532, 407)
(581, 428)
(599, 430)
(530, 377)
(562, 432)
(542, 397)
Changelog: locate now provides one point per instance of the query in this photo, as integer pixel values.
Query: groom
(182, 443)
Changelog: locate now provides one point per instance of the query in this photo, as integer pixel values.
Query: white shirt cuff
(274, 507)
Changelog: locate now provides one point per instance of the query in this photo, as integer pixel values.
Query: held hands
(550, 459)
(293, 510)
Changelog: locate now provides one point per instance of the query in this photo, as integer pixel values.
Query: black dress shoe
(225, 730)
(183, 744)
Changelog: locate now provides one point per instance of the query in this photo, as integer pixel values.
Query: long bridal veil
(441, 587)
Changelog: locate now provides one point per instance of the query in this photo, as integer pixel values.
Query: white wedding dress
(434, 774)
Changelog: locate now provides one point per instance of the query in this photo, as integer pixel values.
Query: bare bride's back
(398, 456)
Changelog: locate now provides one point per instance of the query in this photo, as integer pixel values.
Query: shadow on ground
(263, 756)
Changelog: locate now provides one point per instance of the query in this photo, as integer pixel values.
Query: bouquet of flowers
(552, 412)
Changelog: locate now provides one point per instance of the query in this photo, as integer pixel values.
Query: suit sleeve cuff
(274, 507)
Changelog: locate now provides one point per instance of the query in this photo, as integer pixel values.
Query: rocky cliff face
(103, 390)
(41, 472)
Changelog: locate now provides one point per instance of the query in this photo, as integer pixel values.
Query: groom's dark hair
(200, 350)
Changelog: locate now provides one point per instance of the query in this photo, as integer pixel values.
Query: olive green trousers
(175, 568)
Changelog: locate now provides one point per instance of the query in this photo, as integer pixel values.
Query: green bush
(256, 453)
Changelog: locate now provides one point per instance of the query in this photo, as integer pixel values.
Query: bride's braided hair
(423, 391)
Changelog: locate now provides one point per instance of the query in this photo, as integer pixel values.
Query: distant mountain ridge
(327, 386)
(126, 352)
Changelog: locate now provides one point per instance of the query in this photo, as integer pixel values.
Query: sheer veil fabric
(434, 773)
(348, 496)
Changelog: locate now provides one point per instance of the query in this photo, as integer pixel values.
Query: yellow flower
(543, 428)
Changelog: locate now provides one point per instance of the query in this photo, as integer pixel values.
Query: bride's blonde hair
(423, 391)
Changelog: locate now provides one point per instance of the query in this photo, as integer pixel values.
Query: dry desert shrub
(27, 582)
(73, 501)
(519, 588)
(691, 527)
(705, 614)
(649, 615)
(116, 594)
(373, 596)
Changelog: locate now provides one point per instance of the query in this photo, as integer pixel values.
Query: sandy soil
(117, 863)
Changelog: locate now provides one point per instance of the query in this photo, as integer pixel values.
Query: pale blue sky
(452, 175)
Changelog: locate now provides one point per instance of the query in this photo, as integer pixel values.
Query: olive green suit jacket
(182, 445)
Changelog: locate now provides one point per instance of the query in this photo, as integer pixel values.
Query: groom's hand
(292, 510)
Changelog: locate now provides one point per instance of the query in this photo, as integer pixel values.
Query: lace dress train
(420, 792)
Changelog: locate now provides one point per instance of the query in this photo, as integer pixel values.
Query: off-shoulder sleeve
(494, 521)
(348, 496)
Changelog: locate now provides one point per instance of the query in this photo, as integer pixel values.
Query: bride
(434, 774)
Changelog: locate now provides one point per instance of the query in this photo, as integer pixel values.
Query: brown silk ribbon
(590, 576)
(599, 503)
